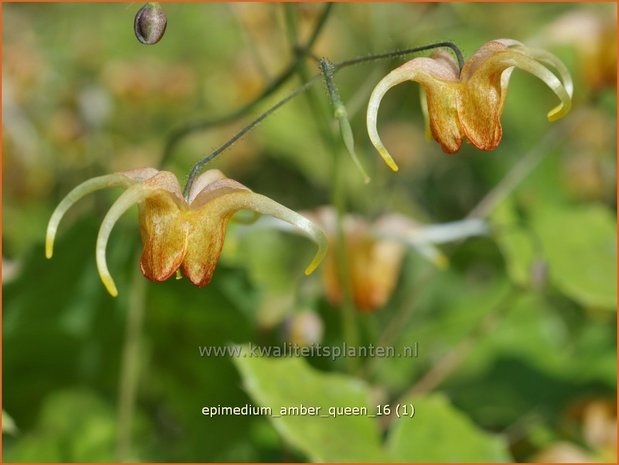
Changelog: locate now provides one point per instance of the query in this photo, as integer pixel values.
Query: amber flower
(179, 234)
(593, 36)
(594, 425)
(468, 104)
(375, 251)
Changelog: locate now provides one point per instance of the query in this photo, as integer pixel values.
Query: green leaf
(515, 243)
(440, 433)
(74, 426)
(578, 243)
(58, 308)
(580, 246)
(448, 309)
(289, 382)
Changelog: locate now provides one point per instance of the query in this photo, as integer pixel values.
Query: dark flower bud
(150, 23)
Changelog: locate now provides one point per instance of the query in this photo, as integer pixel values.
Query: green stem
(339, 112)
(129, 373)
(177, 135)
(338, 199)
(349, 312)
(195, 170)
(400, 318)
(309, 81)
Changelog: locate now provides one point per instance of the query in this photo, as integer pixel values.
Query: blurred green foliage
(82, 97)
(289, 382)
(457, 438)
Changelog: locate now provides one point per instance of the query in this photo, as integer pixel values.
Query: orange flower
(373, 264)
(468, 103)
(374, 252)
(593, 36)
(178, 232)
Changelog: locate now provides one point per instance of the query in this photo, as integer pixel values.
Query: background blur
(522, 324)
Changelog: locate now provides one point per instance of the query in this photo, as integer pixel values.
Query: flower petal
(154, 185)
(141, 174)
(166, 181)
(130, 197)
(568, 86)
(482, 54)
(374, 268)
(439, 79)
(422, 237)
(403, 230)
(85, 188)
(216, 187)
(423, 100)
(203, 181)
(209, 222)
(164, 232)
(205, 240)
(481, 101)
(266, 206)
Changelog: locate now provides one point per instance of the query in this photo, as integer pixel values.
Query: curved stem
(338, 195)
(280, 80)
(299, 90)
(398, 53)
(195, 170)
(339, 111)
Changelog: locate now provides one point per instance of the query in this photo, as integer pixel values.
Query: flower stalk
(308, 82)
(129, 371)
(339, 112)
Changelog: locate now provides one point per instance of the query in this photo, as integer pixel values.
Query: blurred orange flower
(596, 419)
(468, 103)
(374, 252)
(177, 232)
(593, 35)
(373, 264)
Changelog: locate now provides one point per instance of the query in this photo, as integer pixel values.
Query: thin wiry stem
(277, 82)
(398, 53)
(338, 195)
(339, 111)
(321, 116)
(195, 170)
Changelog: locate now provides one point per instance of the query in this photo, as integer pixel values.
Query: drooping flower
(374, 252)
(178, 233)
(468, 103)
